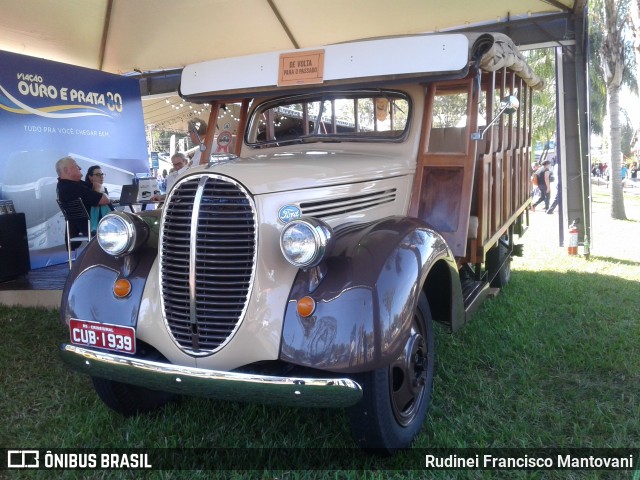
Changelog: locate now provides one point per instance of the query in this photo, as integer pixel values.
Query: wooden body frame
(483, 183)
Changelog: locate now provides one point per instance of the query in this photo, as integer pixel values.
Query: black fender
(369, 288)
(88, 291)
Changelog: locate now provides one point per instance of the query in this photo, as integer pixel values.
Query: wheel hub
(408, 377)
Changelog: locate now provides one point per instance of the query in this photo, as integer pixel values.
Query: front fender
(88, 291)
(366, 299)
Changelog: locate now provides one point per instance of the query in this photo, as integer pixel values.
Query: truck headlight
(120, 233)
(306, 241)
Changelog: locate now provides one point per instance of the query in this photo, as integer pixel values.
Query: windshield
(330, 117)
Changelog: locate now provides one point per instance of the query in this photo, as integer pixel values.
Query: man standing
(180, 165)
(556, 199)
(544, 184)
(71, 187)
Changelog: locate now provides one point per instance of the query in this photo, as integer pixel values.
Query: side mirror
(508, 105)
(202, 146)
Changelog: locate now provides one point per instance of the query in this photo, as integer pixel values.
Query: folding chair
(73, 212)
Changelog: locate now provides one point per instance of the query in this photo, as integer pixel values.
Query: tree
(611, 20)
(626, 136)
(544, 103)
(597, 86)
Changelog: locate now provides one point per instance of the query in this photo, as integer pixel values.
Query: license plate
(100, 335)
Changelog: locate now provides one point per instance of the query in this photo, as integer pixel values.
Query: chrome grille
(207, 258)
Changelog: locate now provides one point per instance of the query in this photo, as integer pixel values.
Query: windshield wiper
(319, 138)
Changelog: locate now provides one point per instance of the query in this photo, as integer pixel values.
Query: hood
(284, 171)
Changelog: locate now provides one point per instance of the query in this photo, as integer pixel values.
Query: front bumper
(231, 386)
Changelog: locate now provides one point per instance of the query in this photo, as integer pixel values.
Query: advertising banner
(49, 110)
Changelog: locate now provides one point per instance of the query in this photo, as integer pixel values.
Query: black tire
(395, 399)
(128, 399)
(495, 257)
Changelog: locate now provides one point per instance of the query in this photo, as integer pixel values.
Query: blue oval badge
(288, 213)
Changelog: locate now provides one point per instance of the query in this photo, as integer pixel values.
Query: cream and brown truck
(351, 195)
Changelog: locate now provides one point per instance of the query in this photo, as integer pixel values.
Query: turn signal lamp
(306, 306)
(122, 288)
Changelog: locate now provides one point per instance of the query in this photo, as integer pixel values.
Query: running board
(474, 294)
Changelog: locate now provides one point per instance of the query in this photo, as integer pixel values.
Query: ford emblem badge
(288, 213)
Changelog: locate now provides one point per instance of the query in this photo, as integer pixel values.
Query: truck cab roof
(363, 62)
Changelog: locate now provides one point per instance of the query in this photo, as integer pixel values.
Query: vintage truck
(358, 192)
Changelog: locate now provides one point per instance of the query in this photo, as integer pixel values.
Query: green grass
(553, 361)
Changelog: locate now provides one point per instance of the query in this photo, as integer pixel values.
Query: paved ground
(631, 188)
(610, 238)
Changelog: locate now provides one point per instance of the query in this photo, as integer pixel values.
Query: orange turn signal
(122, 287)
(306, 306)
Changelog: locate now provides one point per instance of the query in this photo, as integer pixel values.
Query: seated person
(70, 187)
(95, 180)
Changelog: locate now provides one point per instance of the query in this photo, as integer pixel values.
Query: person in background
(544, 184)
(535, 191)
(197, 131)
(556, 199)
(180, 165)
(71, 187)
(162, 181)
(95, 179)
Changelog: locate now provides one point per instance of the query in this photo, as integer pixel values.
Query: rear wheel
(128, 399)
(497, 256)
(396, 398)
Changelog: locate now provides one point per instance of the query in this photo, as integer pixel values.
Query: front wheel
(395, 399)
(128, 399)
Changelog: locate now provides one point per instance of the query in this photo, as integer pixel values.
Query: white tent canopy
(154, 38)
(122, 36)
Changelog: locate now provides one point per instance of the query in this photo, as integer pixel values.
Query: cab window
(353, 116)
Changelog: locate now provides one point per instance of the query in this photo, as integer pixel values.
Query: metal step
(474, 293)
